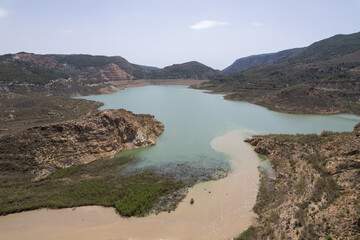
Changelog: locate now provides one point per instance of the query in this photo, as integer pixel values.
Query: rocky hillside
(62, 74)
(302, 98)
(332, 62)
(83, 74)
(315, 194)
(256, 60)
(45, 148)
(331, 65)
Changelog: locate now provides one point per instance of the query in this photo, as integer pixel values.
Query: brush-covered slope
(188, 70)
(333, 62)
(64, 74)
(256, 60)
(331, 65)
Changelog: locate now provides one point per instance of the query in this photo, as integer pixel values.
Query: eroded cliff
(45, 148)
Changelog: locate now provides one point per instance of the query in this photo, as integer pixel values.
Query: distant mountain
(28, 72)
(332, 65)
(189, 70)
(256, 60)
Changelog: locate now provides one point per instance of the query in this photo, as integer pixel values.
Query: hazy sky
(164, 32)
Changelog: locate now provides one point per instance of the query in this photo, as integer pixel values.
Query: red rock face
(112, 72)
(99, 136)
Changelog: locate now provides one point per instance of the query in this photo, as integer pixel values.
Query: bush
(300, 186)
(326, 133)
(327, 187)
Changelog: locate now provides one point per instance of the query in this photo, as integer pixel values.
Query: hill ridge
(258, 59)
(84, 73)
(331, 65)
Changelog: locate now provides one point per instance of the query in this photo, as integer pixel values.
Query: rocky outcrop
(316, 191)
(99, 136)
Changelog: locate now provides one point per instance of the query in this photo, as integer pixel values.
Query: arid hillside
(315, 193)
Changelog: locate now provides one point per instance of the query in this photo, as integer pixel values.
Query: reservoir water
(192, 119)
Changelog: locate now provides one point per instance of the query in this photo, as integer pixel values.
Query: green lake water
(193, 118)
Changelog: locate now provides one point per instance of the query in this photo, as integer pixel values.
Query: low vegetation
(83, 60)
(19, 112)
(22, 72)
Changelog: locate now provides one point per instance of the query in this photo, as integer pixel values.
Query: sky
(165, 32)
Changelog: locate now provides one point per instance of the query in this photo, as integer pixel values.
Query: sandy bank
(222, 209)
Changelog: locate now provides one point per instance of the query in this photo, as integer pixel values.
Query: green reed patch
(97, 183)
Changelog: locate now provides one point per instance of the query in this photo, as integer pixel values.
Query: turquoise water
(193, 118)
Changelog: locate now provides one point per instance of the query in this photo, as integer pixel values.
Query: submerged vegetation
(97, 183)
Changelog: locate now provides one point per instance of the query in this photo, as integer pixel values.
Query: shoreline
(216, 213)
(265, 98)
(120, 85)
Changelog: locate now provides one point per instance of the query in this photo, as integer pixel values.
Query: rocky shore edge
(46, 148)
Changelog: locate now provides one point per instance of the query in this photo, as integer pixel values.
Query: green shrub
(300, 186)
(327, 187)
(326, 133)
(262, 157)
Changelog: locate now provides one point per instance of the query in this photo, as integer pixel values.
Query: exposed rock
(113, 72)
(357, 127)
(99, 136)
